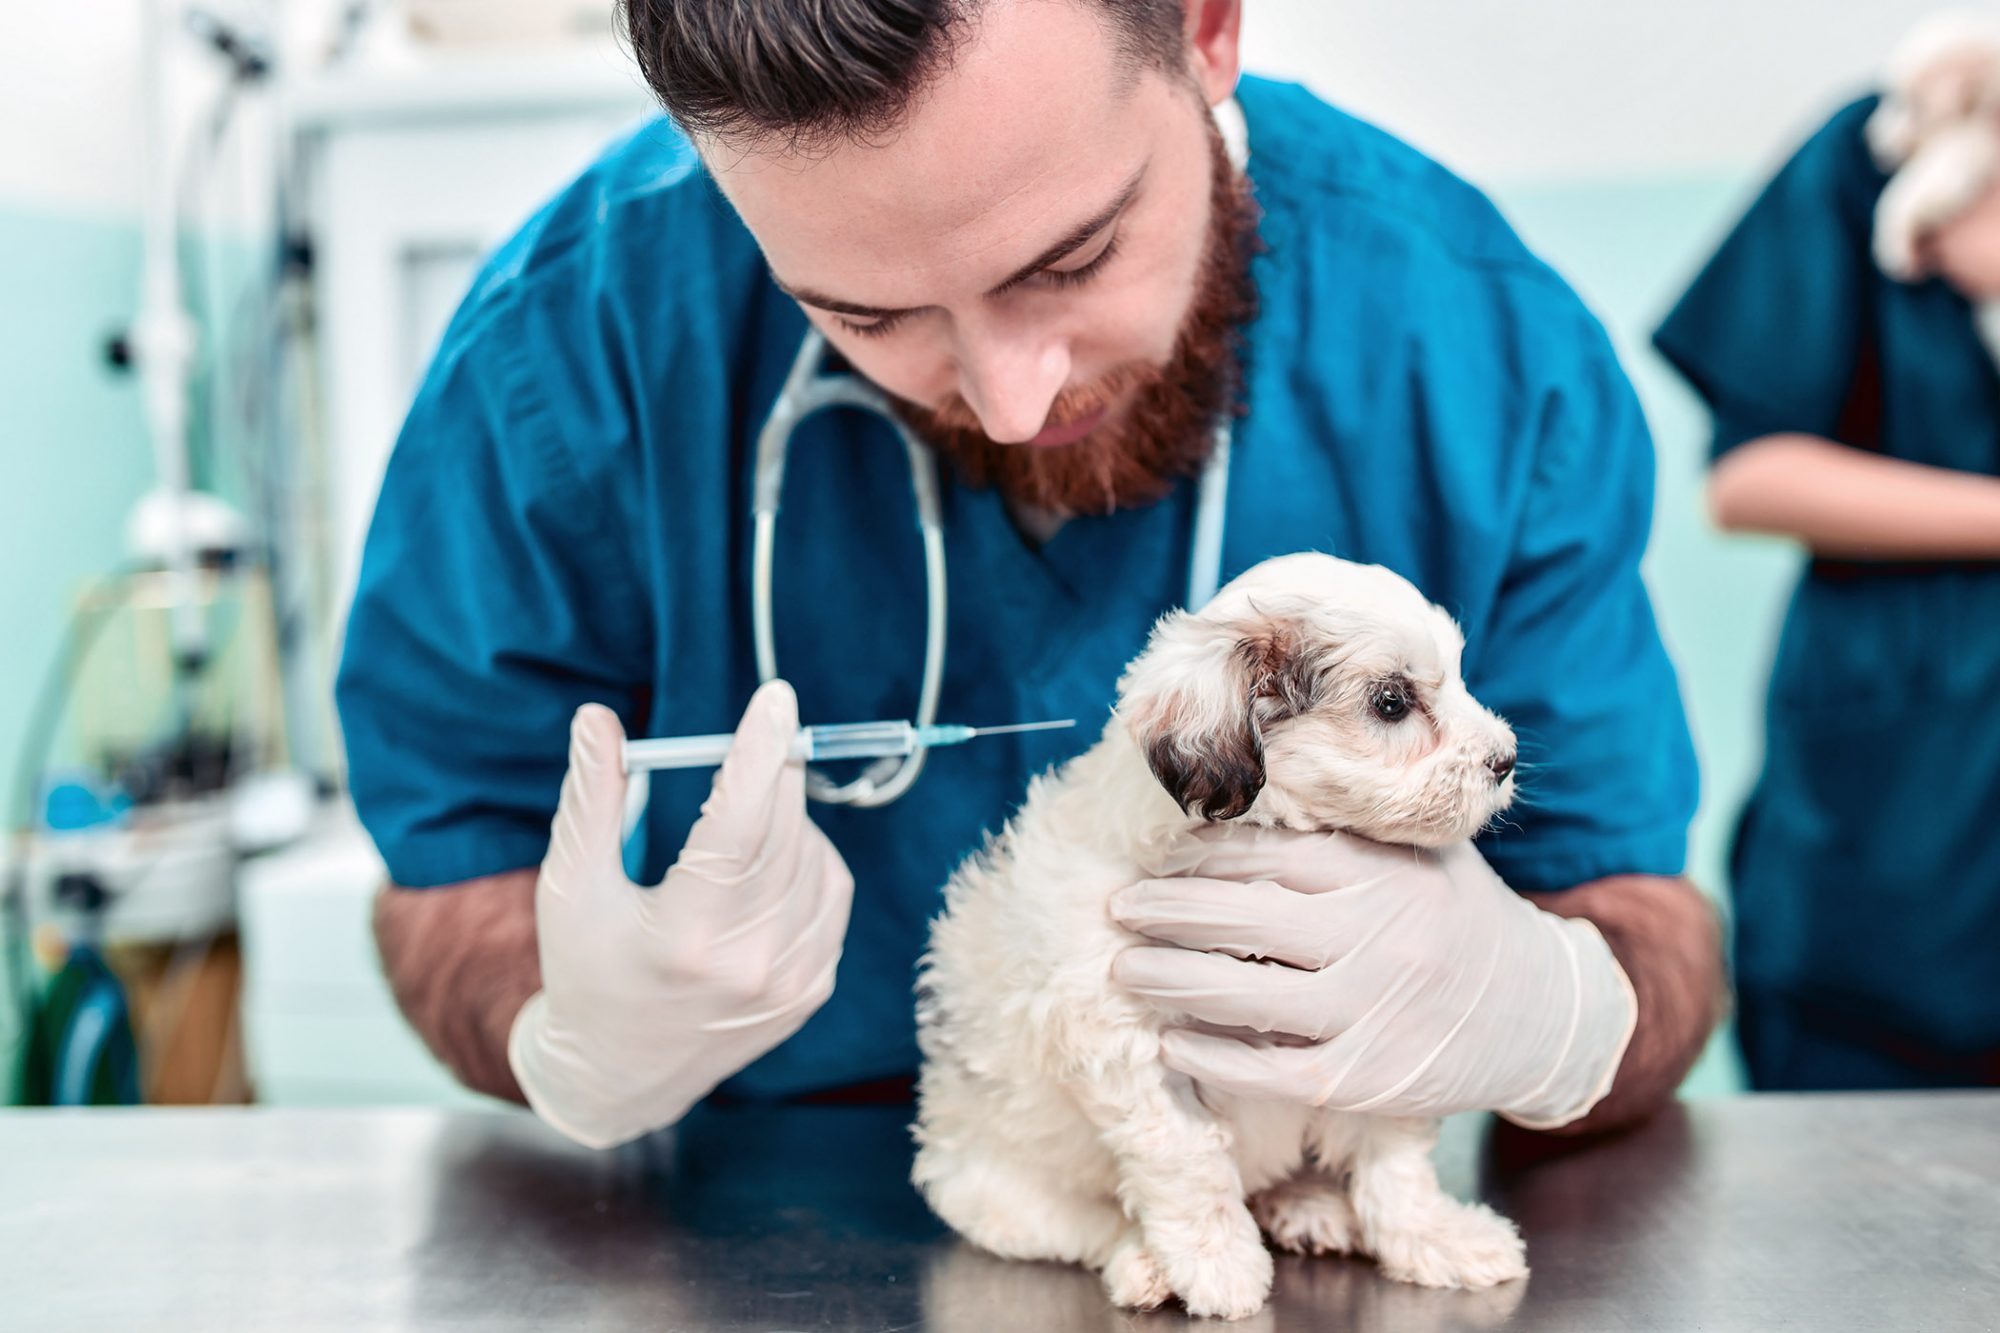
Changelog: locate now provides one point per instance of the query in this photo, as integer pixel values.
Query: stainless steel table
(1820, 1213)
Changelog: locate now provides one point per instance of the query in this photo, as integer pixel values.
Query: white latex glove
(651, 997)
(1400, 982)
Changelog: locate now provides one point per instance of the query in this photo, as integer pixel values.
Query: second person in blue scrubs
(1018, 219)
(1861, 416)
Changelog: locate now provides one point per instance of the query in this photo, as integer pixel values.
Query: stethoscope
(807, 390)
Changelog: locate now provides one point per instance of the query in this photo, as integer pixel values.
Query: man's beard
(1167, 431)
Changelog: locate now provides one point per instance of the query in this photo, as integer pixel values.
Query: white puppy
(1312, 694)
(1937, 129)
(1944, 71)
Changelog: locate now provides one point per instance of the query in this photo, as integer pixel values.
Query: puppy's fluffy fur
(1944, 71)
(1938, 130)
(1310, 694)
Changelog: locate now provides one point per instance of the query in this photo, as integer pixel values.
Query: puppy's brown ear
(1193, 703)
(1215, 773)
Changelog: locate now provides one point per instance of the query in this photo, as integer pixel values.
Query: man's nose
(1011, 381)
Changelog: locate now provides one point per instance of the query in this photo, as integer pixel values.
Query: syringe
(840, 740)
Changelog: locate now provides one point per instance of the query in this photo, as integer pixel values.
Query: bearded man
(1121, 297)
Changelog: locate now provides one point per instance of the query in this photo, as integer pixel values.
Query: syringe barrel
(860, 740)
(676, 752)
(840, 740)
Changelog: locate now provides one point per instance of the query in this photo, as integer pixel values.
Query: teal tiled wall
(73, 453)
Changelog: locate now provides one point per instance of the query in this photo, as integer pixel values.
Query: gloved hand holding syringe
(841, 740)
(652, 996)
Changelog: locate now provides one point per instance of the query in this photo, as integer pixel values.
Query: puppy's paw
(1307, 1217)
(1132, 1277)
(1216, 1264)
(1461, 1245)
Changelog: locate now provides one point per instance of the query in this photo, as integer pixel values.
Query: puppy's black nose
(1502, 765)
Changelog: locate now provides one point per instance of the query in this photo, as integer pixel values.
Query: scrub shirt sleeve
(1571, 655)
(1771, 332)
(494, 599)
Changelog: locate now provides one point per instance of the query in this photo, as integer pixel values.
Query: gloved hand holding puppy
(1398, 981)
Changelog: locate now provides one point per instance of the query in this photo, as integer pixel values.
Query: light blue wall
(73, 453)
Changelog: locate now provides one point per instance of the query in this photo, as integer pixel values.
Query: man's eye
(1071, 277)
(874, 328)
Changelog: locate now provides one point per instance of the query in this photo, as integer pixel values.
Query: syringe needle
(1013, 727)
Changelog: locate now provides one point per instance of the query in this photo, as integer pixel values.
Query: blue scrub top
(1866, 869)
(566, 517)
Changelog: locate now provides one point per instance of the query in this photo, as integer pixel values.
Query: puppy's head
(1314, 693)
(1946, 70)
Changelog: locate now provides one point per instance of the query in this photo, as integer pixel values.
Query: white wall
(1544, 89)
(1532, 88)
(71, 101)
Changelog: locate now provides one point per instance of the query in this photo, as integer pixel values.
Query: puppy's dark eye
(1391, 701)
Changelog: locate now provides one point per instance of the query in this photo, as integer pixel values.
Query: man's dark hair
(820, 71)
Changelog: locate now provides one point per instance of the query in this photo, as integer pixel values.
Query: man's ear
(1213, 33)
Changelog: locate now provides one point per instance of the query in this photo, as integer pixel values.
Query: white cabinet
(319, 1024)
